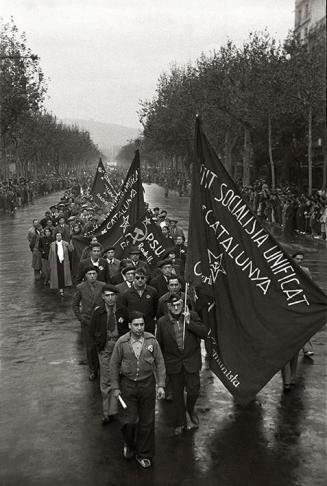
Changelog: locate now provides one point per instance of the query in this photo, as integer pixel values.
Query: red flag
(260, 306)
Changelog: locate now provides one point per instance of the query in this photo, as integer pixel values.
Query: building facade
(310, 16)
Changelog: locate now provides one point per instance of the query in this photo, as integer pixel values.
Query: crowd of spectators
(289, 208)
(171, 180)
(18, 192)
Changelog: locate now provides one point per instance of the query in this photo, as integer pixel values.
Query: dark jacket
(146, 304)
(103, 274)
(85, 299)
(160, 284)
(190, 357)
(98, 327)
(122, 287)
(44, 246)
(114, 268)
(64, 230)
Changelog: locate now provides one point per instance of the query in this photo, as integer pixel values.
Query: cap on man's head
(127, 262)
(155, 209)
(91, 268)
(109, 288)
(95, 244)
(111, 248)
(173, 299)
(162, 263)
(134, 251)
(127, 268)
(169, 252)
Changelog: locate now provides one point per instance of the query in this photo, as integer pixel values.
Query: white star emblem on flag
(125, 224)
(215, 265)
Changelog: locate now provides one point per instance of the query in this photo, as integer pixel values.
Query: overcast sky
(103, 56)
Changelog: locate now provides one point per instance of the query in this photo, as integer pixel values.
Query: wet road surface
(50, 428)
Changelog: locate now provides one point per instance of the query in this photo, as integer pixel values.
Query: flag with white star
(260, 307)
(146, 236)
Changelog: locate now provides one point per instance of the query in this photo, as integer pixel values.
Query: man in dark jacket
(62, 228)
(128, 274)
(113, 263)
(134, 255)
(95, 260)
(109, 322)
(179, 336)
(143, 298)
(86, 298)
(160, 283)
(174, 288)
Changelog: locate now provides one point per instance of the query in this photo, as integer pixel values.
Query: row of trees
(32, 139)
(262, 106)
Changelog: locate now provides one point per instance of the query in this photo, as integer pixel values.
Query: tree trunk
(324, 173)
(271, 160)
(310, 150)
(247, 155)
(228, 151)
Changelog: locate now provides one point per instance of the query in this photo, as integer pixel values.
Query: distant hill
(108, 136)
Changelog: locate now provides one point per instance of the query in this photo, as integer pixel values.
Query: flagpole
(185, 309)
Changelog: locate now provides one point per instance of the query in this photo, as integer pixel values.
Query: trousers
(109, 403)
(190, 382)
(137, 420)
(91, 350)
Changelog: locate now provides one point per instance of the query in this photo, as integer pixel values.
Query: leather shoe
(194, 418)
(107, 419)
(143, 462)
(178, 430)
(127, 452)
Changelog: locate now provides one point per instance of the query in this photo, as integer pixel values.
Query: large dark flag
(147, 237)
(260, 306)
(128, 208)
(102, 190)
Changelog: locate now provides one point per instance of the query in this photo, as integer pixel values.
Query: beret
(161, 263)
(110, 288)
(91, 268)
(128, 268)
(134, 251)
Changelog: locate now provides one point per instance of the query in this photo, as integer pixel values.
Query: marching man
(136, 364)
(179, 334)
